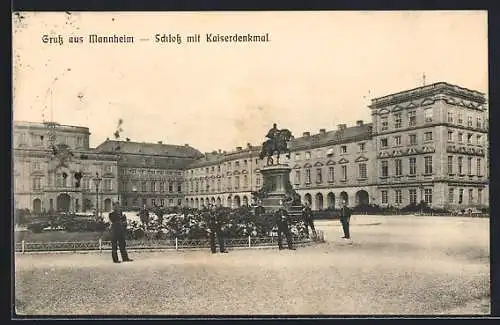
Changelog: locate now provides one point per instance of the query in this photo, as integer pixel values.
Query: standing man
(345, 217)
(283, 227)
(259, 209)
(118, 229)
(307, 217)
(215, 224)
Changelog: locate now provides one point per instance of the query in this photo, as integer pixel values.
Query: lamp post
(421, 199)
(134, 190)
(97, 181)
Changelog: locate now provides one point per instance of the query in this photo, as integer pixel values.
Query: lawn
(394, 266)
(57, 236)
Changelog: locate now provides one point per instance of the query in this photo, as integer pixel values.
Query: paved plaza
(395, 265)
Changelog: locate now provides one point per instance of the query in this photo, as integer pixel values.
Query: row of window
(41, 139)
(297, 157)
(215, 185)
(470, 122)
(412, 196)
(152, 186)
(152, 202)
(361, 174)
(428, 118)
(412, 140)
(37, 166)
(412, 166)
(460, 200)
(469, 136)
(398, 119)
(212, 185)
(65, 182)
(143, 171)
(460, 165)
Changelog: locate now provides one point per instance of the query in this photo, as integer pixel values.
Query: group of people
(215, 220)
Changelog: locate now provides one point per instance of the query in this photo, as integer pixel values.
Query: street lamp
(134, 190)
(97, 181)
(421, 199)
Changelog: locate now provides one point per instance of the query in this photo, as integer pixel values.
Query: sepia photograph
(268, 163)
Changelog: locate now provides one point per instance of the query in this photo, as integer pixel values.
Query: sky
(318, 70)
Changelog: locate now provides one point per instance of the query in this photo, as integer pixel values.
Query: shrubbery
(185, 223)
(66, 222)
(191, 224)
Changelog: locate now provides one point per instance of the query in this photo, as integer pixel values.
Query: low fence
(328, 215)
(100, 245)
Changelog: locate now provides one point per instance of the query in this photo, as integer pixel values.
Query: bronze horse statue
(277, 145)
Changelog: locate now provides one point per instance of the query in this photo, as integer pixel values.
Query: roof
(45, 126)
(438, 87)
(152, 149)
(348, 134)
(159, 162)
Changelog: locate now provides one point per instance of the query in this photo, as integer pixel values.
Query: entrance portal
(63, 202)
(362, 197)
(37, 206)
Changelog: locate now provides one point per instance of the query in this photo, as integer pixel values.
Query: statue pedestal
(276, 181)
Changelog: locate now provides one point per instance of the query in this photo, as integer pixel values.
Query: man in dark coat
(345, 217)
(282, 221)
(215, 216)
(259, 209)
(307, 217)
(118, 229)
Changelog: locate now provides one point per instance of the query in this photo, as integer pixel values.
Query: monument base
(277, 187)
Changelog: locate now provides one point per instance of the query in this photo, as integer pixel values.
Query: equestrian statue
(277, 143)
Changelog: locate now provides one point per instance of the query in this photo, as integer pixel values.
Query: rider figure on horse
(273, 133)
(276, 143)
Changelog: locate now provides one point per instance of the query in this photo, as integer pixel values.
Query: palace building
(429, 143)
(150, 173)
(48, 158)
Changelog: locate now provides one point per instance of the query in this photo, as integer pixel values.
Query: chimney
(239, 148)
(220, 151)
(160, 142)
(341, 126)
(306, 134)
(128, 139)
(322, 131)
(249, 145)
(186, 145)
(359, 122)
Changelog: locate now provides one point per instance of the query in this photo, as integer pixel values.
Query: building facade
(150, 174)
(428, 143)
(431, 145)
(327, 167)
(47, 159)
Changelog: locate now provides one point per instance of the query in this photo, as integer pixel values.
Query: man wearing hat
(283, 227)
(345, 217)
(259, 209)
(118, 229)
(215, 215)
(307, 217)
